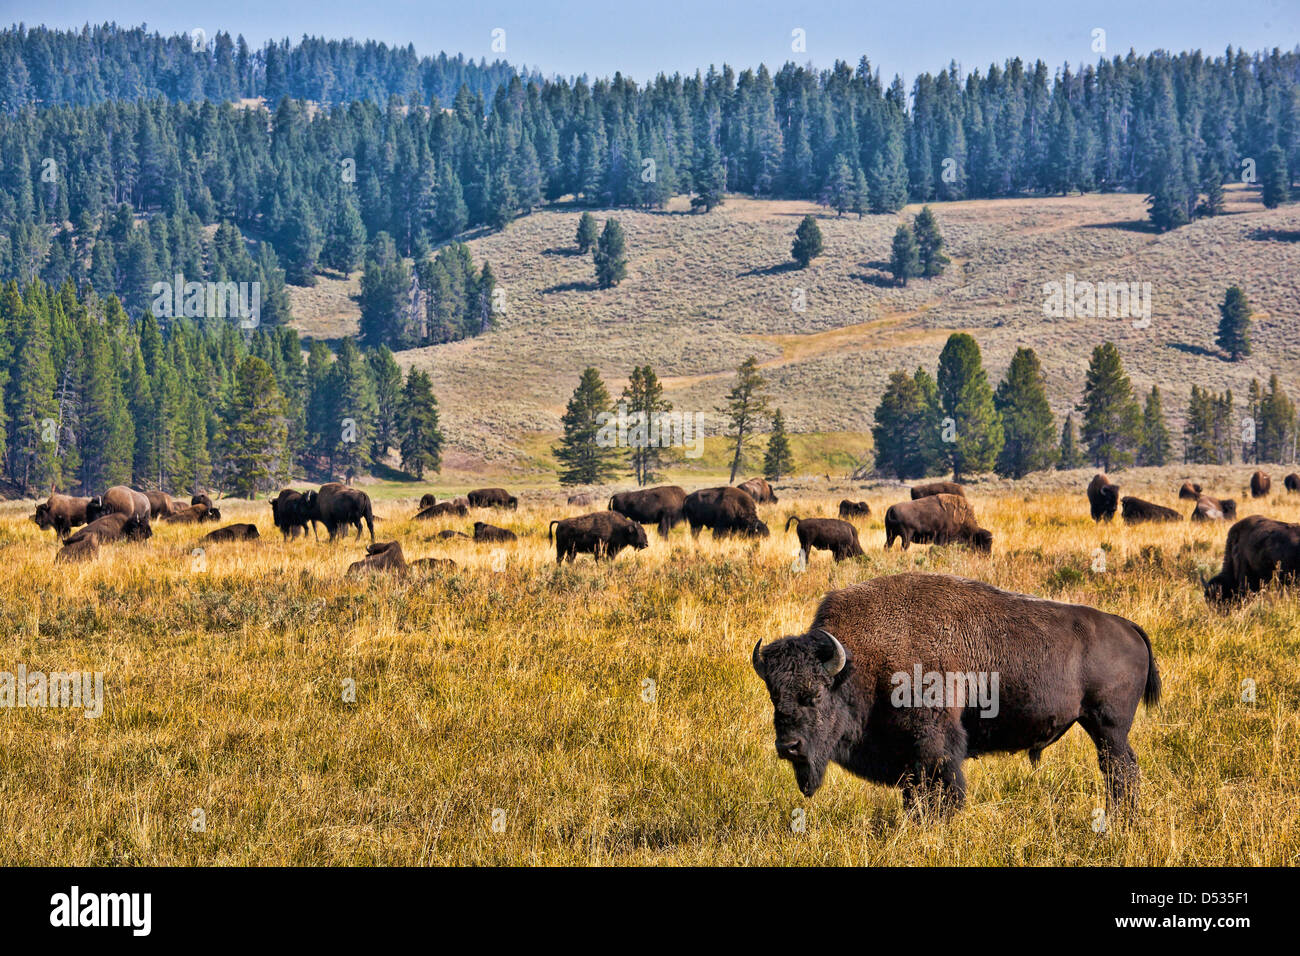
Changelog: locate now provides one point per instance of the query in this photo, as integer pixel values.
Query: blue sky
(644, 37)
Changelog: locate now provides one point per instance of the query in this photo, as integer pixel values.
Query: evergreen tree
(253, 431)
(807, 242)
(929, 244)
(644, 400)
(386, 379)
(346, 239)
(966, 399)
(906, 432)
(777, 460)
(1027, 425)
(1234, 324)
(587, 233)
(905, 256)
(1112, 423)
(353, 410)
(747, 405)
(1156, 444)
(610, 256)
(586, 456)
(1070, 456)
(1274, 180)
(420, 438)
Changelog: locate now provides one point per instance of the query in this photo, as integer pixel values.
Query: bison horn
(758, 659)
(839, 658)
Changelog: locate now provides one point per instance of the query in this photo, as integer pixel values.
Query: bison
(759, 490)
(448, 533)
(829, 534)
(292, 511)
(727, 511)
(901, 678)
(490, 532)
(194, 514)
(231, 532)
(442, 509)
(663, 506)
(62, 513)
(853, 509)
(492, 498)
(582, 499)
(382, 556)
(602, 534)
(1214, 509)
(111, 527)
(1260, 485)
(201, 499)
(936, 519)
(1137, 511)
(427, 500)
(1189, 490)
(938, 488)
(83, 549)
(1256, 549)
(161, 504)
(1291, 482)
(119, 500)
(1103, 498)
(337, 506)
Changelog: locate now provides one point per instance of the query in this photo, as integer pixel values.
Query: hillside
(705, 291)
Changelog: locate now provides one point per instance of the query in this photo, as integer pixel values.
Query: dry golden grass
(521, 690)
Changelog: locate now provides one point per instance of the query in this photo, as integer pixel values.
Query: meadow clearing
(513, 712)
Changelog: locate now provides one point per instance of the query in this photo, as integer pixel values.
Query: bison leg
(664, 527)
(936, 789)
(1118, 762)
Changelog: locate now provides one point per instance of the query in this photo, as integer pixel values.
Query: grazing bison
(292, 511)
(441, 510)
(232, 532)
(1137, 511)
(829, 534)
(663, 506)
(201, 499)
(490, 532)
(194, 514)
(111, 527)
(759, 490)
(161, 504)
(383, 556)
(850, 509)
(901, 678)
(427, 500)
(938, 488)
(582, 499)
(1257, 548)
(602, 534)
(1260, 485)
(62, 513)
(119, 500)
(81, 550)
(1214, 509)
(492, 498)
(1103, 498)
(1291, 482)
(1189, 490)
(338, 507)
(728, 511)
(936, 519)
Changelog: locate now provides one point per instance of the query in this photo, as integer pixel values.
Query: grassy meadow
(515, 693)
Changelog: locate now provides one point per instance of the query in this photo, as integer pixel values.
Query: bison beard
(831, 686)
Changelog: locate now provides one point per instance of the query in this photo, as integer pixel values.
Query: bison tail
(550, 530)
(1151, 693)
(794, 518)
(370, 523)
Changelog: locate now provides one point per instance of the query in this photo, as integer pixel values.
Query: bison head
(212, 514)
(756, 528)
(42, 516)
(1218, 589)
(982, 540)
(636, 537)
(136, 529)
(1229, 508)
(803, 676)
(95, 508)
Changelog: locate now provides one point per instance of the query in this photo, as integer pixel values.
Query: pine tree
(1070, 456)
(905, 256)
(906, 433)
(710, 176)
(839, 188)
(1112, 423)
(966, 400)
(1274, 180)
(929, 243)
(386, 378)
(1234, 324)
(777, 460)
(644, 400)
(353, 411)
(587, 234)
(300, 241)
(419, 435)
(747, 405)
(1027, 425)
(253, 431)
(807, 242)
(1156, 442)
(610, 256)
(585, 454)
(346, 239)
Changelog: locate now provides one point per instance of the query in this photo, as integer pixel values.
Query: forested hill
(41, 67)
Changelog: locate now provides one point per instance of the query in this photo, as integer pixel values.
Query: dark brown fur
(1137, 511)
(61, 513)
(232, 532)
(1260, 485)
(602, 534)
(663, 506)
(759, 490)
(827, 534)
(938, 488)
(1257, 549)
(936, 519)
(1214, 509)
(851, 509)
(441, 510)
(727, 511)
(1103, 498)
(492, 498)
(1189, 490)
(490, 532)
(112, 527)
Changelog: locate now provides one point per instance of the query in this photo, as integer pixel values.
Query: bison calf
(490, 532)
(828, 534)
(232, 532)
(854, 509)
(602, 535)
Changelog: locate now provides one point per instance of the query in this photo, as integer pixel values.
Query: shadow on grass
(779, 269)
(1196, 350)
(1128, 225)
(572, 287)
(1274, 235)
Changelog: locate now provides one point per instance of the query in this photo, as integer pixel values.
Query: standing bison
(602, 535)
(727, 511)
(1103, 498)
(62, 513)
(292, 511)
(936, 519)
(938, 488)
(759, 490)
(854, 509)
(1137, 511)
(663, 506)
(1260, 485)
(1001, 673)
(492, 498)
(827, 534)
(119, 500)
(1291, 482)
(160, 504)
(338, 507)
(1257, 548)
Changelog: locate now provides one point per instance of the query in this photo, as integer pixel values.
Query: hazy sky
(644, 37)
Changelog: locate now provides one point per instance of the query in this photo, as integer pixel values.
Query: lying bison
(427, 500)
(1214, 509)
(1256, 550)
(1103, 498)
(490, 532)
(194, 514)
(292, 511)
(901, 678)
(112, 527)
(938, 488)
(936, 519)
(1291, 482)
(119, 500)
(664, 506)
(492, 498)
(442, 509)
(448, 533)
(339, 507)
(382, 556)
(231, 532)
(201, 499)
(602, 534)
(854, 509)
(85, 549)
(1260, 485)
(1189, 490)
(727, 511)
(432, 564)
(62, 513)
(1137, 511)
(759, 490)
(827, 534)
